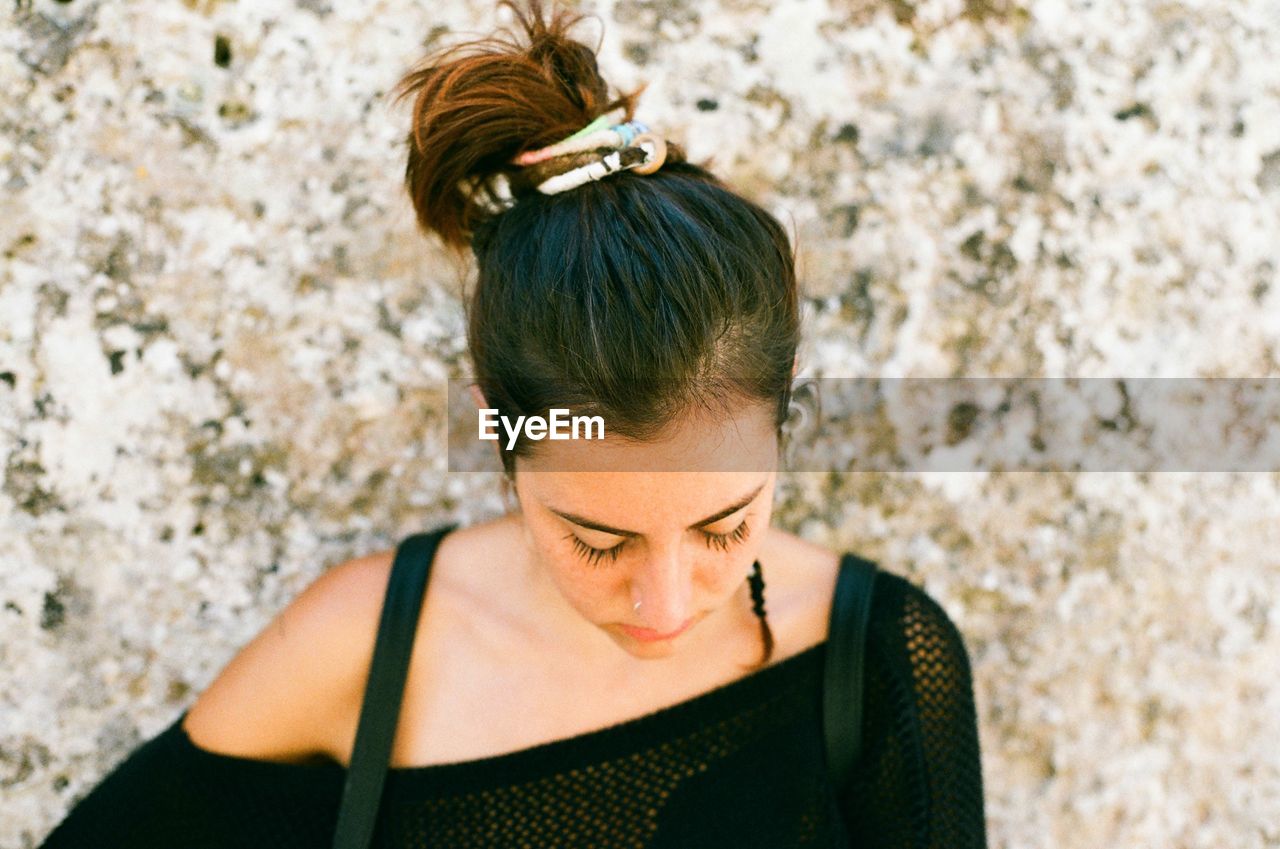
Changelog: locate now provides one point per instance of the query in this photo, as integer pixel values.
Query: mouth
(646, 635)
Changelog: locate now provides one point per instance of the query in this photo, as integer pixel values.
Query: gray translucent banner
(962, 425)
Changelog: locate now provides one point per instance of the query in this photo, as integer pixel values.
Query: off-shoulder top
(739, 766)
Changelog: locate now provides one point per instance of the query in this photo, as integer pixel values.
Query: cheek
(721, 574)
(586, 587)
(597, 595)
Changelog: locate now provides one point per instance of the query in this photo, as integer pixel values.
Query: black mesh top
(739, 766)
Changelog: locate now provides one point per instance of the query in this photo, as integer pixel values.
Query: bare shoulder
(290, 693)
(471, 577)
(800, 579)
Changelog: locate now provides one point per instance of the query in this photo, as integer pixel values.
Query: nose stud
(636, 606)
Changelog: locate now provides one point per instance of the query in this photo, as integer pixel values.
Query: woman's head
(664, 303)
(638, 297)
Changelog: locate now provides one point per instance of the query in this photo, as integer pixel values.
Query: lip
(646, 635)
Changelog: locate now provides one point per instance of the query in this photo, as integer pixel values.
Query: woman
(598, 667)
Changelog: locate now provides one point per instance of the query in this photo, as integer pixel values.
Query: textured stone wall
(223, 349)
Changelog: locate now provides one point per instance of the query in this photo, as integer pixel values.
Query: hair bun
(479, 104)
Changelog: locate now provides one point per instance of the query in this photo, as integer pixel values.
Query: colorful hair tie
(606, 131)
(602, 132)
(655, 150)
(596, 134)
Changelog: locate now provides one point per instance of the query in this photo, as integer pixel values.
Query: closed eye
(721, 542)
(594, 555)
(726, 541)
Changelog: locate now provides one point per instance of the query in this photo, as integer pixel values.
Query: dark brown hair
(632, 297)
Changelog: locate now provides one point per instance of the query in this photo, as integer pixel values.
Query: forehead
(644, 501)
(739, 440)
(697, 468)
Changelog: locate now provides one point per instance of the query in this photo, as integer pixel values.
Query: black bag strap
(842, 684)
(380, 710)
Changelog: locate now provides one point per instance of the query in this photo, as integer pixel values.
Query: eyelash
(593, 556)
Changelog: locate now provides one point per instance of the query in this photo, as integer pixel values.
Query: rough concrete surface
(223, 347)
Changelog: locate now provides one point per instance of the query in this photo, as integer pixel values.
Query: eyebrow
(714, 517)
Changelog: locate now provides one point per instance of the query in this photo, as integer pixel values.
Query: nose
(664, 589)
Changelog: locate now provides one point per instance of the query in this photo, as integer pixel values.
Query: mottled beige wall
(223, 349)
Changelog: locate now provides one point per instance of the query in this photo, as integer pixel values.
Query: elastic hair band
(599, 133)
(653, 147)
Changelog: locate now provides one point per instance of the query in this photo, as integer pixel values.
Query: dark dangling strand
(756, 580)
